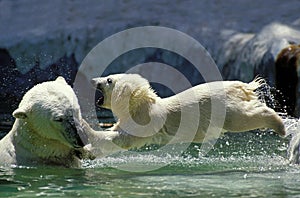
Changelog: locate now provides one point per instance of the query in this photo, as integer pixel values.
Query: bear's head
(105, 86)
(50, 113)
(127, 95)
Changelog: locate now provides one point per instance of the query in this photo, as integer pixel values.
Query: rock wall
(40, 40)
(245, 56)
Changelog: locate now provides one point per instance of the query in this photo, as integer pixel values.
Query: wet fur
(146, 116)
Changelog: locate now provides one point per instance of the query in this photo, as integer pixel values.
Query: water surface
(251, 164)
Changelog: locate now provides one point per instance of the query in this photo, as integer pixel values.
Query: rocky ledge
(40, 40)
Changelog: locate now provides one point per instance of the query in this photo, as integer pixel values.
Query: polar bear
(47, 128)
(142, 113)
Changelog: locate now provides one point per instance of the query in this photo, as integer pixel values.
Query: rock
(287, 78)
(40, 40)
(244, 56)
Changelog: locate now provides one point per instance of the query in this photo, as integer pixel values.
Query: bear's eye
(109, 80)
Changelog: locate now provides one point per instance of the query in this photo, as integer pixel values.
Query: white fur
(43, 132)
(103, 143)
(145, 117)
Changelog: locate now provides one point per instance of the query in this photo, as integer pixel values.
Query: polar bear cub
(47, 128)
(142, 113)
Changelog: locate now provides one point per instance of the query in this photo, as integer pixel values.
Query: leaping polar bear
(142, 113)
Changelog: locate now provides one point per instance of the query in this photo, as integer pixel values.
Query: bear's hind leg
(254, 118)
(265, 117)
(273, 120)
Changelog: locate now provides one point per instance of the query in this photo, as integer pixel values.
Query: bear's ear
(61, 80)
(20, 113)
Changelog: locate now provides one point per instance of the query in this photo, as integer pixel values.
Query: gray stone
(40, 40)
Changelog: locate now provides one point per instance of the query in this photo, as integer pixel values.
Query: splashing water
(267, 95)
(291, 126)
(250, 164)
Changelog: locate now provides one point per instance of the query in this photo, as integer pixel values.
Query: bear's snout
(96, 83)
(72, 133)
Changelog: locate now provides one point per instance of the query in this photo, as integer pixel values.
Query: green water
(251, 164)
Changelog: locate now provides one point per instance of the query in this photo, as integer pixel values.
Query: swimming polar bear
(47, 128)
(142, 113)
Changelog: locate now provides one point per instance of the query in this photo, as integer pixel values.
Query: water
(251, 164)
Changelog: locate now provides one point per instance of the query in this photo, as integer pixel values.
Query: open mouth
(99, 98)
